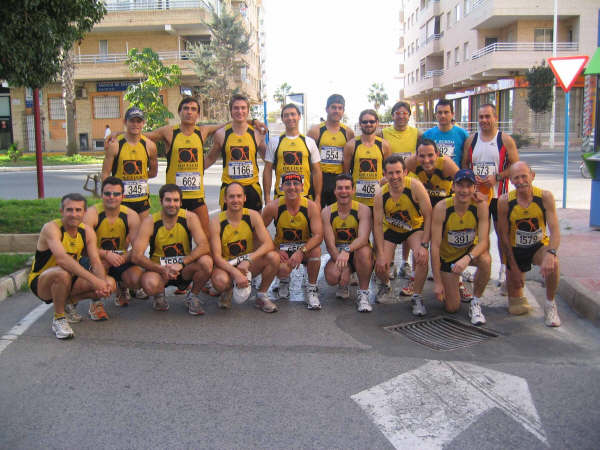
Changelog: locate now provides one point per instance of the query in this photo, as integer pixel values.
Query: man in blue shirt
(448, 137)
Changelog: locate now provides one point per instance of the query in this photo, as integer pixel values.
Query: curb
(580, 299)
(13, 283)
(18, 243)
(91, 167)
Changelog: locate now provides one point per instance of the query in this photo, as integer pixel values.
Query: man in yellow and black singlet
(460, 238)
(241, 248)
(401, 136)
(331, 136)
(523, 215)
(239, 146)
(172, 261)
(66, 267)
(132, 158)
(115, 225)
(298, 236)
(293, 153)
(363, 158)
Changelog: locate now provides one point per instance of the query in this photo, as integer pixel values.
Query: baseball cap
(240, 295)
(134, 111)
(464, 174)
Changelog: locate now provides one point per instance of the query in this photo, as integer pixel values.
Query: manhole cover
(442, 333)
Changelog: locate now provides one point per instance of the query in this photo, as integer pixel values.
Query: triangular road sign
(567, 68)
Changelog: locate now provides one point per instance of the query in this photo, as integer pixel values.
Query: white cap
(240, 295)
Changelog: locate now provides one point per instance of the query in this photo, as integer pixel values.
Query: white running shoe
(71, 314)
(284, 288)
(385, 294)
(141, 294)
(392, 272)
(551, 318)
(362, 303)
(405, 270)
(418, 308)
(62, 329)
(475, 314)
(343, 292)
(312, 299)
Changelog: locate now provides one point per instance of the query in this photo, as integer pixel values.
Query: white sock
(475, 300)
(311, 287)
(261, 294)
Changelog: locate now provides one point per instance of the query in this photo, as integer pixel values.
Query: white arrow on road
(431, 405)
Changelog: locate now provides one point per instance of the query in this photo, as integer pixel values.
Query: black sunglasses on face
(112, 194)
(370, 122)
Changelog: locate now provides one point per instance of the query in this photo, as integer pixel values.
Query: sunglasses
(370, 122)
(112, 194)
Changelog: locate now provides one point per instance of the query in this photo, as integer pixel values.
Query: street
(298, 378)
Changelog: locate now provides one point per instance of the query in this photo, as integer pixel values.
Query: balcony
(489, 14)
(525, 47)
(113, 58)
(152, 5)
(431, 45)
(431, 9)
(433, 73)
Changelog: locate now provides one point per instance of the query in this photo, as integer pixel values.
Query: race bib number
(236, 261)
(446, 148)
(135, 189)
(240, 169)
(484, 169)
(332, 155)
(290, 247)
(188, 181)
(164, 260)
(528, 238)
(461, 238)
(366, 188)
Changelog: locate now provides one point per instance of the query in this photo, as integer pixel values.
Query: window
(56, 108)
(456, 56)
(448, 16)
(467, 7)
(542, 38)
(107, 107)
(448, 55)
(103, 47)
(457, 13)
(466, 51)
(244, 74)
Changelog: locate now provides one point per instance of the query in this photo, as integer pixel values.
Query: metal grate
(442, 333)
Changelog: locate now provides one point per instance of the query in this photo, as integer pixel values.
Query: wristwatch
(552, 251)
(303, 249)
(425, 245)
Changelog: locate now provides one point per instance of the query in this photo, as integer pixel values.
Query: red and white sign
(567, 68)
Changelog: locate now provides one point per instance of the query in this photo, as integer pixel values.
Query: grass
(51, 159)
(28, 216)
(10, 262)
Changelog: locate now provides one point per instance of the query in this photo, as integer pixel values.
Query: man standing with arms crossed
(331, 136)
(133, 159)
(59, 274)
(450, 138)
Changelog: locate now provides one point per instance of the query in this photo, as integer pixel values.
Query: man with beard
(331, 136)
(523, 215)
(172, 261)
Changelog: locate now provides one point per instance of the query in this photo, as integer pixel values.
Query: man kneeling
(172, 261)
(233, 235)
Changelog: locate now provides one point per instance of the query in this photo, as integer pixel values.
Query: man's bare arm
(466, 162)
(202, 247)
(268, 213)
(316, 226)
(511, 152)
(266, 243)
(424, 202)
(328, 235)
(109, 157)
(267, 180)
(152, 159)
(348, 153)
(364, 228)
(215, 150)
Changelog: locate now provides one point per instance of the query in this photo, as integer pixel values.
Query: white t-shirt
(315, 156)
(486, 158)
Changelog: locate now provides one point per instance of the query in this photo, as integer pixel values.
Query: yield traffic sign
(567, 68)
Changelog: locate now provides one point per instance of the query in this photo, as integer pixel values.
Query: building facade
(169, 27)
(478, 51)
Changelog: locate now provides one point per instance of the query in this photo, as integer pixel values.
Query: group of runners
(329, 186)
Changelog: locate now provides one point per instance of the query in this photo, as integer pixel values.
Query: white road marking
(431, 405)
(23, 325)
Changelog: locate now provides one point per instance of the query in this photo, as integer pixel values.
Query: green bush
(14, 153)
(521, 140)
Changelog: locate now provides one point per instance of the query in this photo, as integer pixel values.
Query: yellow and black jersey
(438, 187)
(367, 169)
(402, 214)
(331, 148)
(239, 157)
(185, 163)
(292, 155)
(75, 246)
(291, 230)
(527, 226)
(170, 246)
(459, 233)
(131, 166)
(404, 142)
(236, 241)
(345, 230)
(112, 236)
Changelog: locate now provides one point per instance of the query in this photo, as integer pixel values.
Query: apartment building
(478, 51)
(169, 27)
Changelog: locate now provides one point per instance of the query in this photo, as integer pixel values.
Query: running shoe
(409, 289)
(465, 294)
(284, 288)
(160, 303)
(265, 304)
(141, 294)
(468, 276)
(475, 314)
(312, 299)
(71, 313)
(97, 311)
(181, 291)
(385, 294)
(122, 298)
(225, 299)
(343, 292)
(62, 329)
(209, 289)
(194, 304)
(418, 308)
(551, 318)
(392, 272)
(405, 270)
(362, 303)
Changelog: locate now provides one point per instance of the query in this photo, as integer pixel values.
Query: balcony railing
(524, 47)
(145, 5)
(433, 73)
(112, 58)
(434, 37)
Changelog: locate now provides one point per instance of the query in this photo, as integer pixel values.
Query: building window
(56, 108)
(456, 56)
(467, 7)
(448, 55)
(448, 16)
(542, 38)
(457, 13)
(244, 74)
(103, 47)
(466, 51)
(107, 107)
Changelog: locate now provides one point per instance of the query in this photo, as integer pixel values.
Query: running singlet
(131, 166)
(403, 214)
(74, 246)
(459, 233)
(331, 148)
(403, 143)
(489, 158)
(236, 241)
(185, 163)
(292, 232)
(527, 226)
(239, 157)
(367, 169)
(112, 236)
(292, 155)
(438, 187)
(170, 246)
(345, 230)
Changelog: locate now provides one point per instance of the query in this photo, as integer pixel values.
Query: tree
(146, 94)
(280, 94)
(68, 92)
(218, 64)
(539, 91)
(386, 117)
(377, 95)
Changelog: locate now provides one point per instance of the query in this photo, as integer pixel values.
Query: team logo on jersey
(175, 249)
(237, 248)
(368, 165)
(188, 155)
(240, 153)
(292, 234)
(111, 243)
(400, 219)
(529, 224)
(292, 158)
(345, 234)
(132, 167)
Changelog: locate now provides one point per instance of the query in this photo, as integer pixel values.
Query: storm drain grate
(442, 333)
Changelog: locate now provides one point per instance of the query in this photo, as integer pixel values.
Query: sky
(332, 46)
